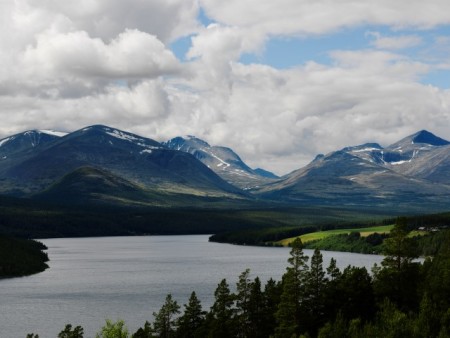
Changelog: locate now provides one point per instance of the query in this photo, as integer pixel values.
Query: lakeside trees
(21, 257)
(401, 298)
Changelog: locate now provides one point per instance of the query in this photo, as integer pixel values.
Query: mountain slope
(136, 159)
(25, 141)
(369, 175)
(223, 161)
(93, 185)
(421, 155)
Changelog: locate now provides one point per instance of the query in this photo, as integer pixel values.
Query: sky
(277, 81)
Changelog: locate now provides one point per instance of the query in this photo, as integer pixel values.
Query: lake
(91, 279)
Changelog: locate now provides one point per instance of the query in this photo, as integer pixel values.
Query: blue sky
(283, 52)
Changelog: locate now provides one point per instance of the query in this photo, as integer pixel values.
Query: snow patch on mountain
(2, 142)
(364, 150)
(123, 136)
(52, 132)
(222, 162)
(131, 138)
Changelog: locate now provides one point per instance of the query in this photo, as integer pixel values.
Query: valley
(104, 181)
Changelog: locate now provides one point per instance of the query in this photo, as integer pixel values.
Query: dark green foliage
(261, 236)
(243, 306)
(272, 297)
(190, 322)
(144, 332)
(164, 325)
(438, 277)
(21, 257)
(428, 320)
(315, 296)
(290, 310)
(336, 329)
(391, 322)
(68, 332)
(352, 242)
(256, 311)
(430, 244)
(221, 319)
(405, 299)
(250, 306)
(400, 276)
(354, 294)
(39, 219)
(399, 250)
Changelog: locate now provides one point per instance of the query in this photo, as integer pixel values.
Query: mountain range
(412, 171)
(101, 164)
(224, 161)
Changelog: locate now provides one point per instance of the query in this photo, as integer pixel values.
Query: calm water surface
(91, 279)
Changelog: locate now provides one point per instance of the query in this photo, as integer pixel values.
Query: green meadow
(313, 236)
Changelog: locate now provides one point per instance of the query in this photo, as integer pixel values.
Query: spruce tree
(144, 332)
(271, 298)
(314, 300)
(243, 289)
(257, 312)
(68, 332)
(289, 314)
(399, 278)
(399, 249)
(192, 319)
(164, 324)
(221, 317)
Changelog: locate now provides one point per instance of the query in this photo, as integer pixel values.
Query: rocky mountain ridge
(116, 166)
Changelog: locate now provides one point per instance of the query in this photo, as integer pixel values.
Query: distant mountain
(26, 141)
(421, 155)
(265, 173)
(104, 165)
(140, 161)
(223, 161)
(401, 174)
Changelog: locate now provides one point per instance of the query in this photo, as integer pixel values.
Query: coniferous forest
(403, 297)
(21, 257)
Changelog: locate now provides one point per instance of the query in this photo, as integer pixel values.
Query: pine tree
(314, 300)
(428, 321)
(164, 324)
(243, 289)
(192, 319)
(256, 311)
(289, 314)
(144, 332)
(271, 297)
(399, 249)
(77, 332)
(221, 317)
(398, 279)
(333, 271)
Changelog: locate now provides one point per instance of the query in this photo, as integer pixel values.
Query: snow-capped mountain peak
(222, 160)
(26, 140)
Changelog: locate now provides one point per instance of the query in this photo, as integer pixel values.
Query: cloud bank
(67, 65)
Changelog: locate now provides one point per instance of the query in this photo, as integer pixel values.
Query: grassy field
(322, 234)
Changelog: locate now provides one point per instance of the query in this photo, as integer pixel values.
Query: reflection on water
(91, 279)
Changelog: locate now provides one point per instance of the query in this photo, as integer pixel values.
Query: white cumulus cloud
(133, 54)
(67, 64)
(394, 42)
